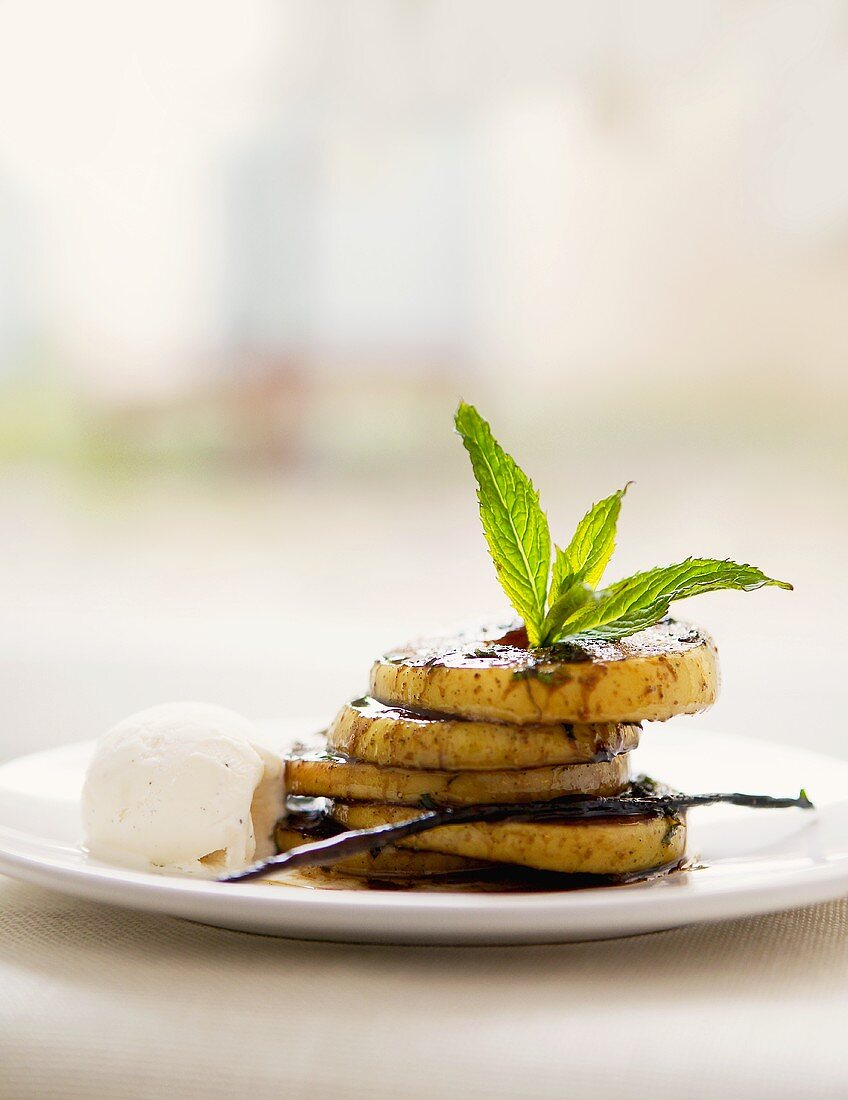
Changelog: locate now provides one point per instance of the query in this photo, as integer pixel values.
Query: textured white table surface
(105, 612)
(98, 1002)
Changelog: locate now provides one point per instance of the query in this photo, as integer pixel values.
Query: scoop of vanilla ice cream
(183, 787)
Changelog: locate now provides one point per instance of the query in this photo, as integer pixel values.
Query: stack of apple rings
(477, 719)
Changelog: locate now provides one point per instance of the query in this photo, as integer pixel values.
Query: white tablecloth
(100, 1002)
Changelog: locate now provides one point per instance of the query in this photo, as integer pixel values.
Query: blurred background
(251, 255)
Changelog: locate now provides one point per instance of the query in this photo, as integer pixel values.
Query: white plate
(756, 861)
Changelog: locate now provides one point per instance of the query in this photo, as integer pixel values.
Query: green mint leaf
(587, 555)
(579, 568)
(569, 602)
(642, 600)
(515, 526)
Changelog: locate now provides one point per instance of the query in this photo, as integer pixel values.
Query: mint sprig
(587, 555)
(519, 542)
(579, 568)
(644, 599)
(515, 526)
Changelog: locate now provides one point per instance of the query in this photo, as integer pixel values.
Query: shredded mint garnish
(562, 602)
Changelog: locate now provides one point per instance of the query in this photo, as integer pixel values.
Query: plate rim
(290, 909)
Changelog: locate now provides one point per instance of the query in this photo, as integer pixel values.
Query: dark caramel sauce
(500, 646)
(316, 824)
(508, 879)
